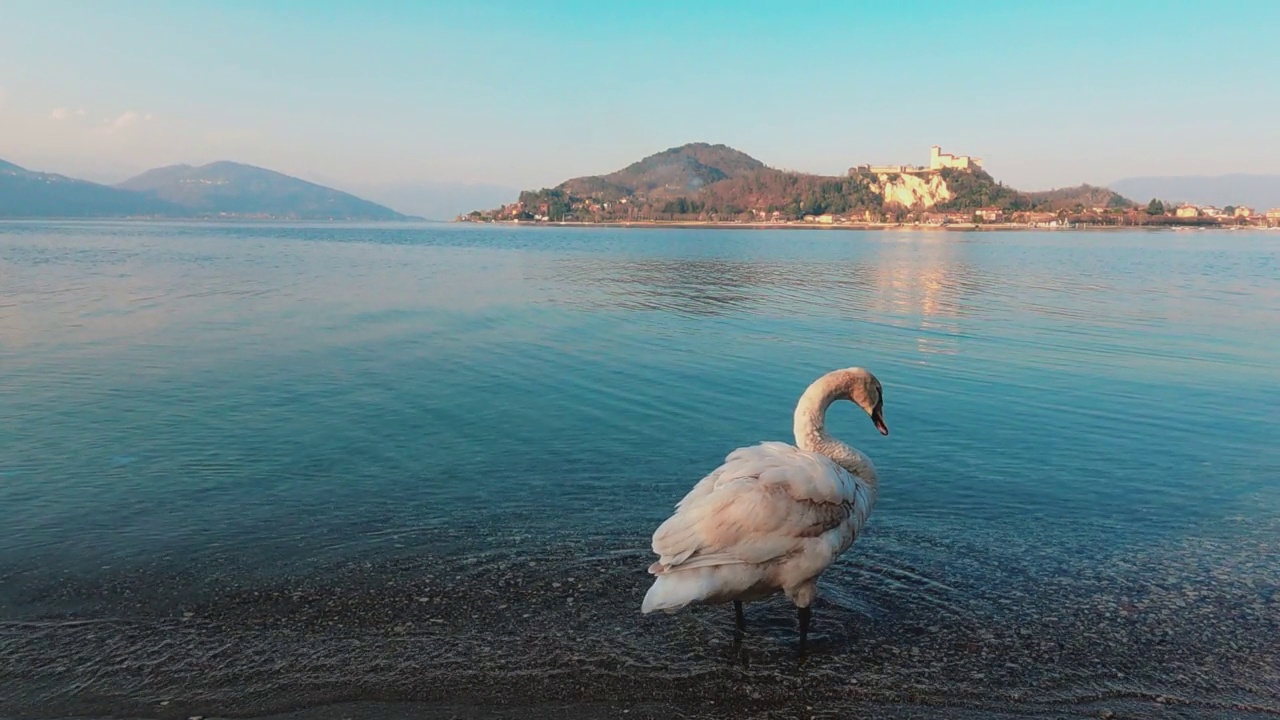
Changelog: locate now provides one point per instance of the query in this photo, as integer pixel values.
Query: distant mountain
(29, 194)
(222, 189)
(1256, 191)
(228, 189)
(675, 172)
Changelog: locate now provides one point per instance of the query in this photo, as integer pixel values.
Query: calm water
(258, 469)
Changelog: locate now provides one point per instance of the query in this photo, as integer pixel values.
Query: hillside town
(705, 184)
(1156, 214)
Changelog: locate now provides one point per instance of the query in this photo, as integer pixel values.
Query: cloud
(61, 114)
(125, 120)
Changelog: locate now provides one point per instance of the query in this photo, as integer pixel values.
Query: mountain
(228, 189)
(1256, 191)
(222, 189)
(29, 194)
(671, 173)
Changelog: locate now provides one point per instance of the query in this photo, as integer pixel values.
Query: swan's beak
(877, 417)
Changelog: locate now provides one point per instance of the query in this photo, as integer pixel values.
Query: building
(946, 218)
(1244, 212)
(1038, 219)
(882, 169)
(1273, 214)
(1187, 211)
(990, 214)
(939, 160)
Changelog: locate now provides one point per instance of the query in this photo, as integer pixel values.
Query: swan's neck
(811, 431)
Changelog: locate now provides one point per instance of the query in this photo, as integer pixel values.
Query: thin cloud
(126, 120)
(61, 114)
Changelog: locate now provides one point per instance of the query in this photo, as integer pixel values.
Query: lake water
(357, 471)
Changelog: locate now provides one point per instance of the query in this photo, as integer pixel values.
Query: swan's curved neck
(811, 431)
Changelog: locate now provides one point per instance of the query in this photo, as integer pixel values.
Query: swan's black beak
(877, 417)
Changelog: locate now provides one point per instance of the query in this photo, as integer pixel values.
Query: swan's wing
(763, 503)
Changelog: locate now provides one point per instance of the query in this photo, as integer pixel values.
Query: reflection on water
(251, 468)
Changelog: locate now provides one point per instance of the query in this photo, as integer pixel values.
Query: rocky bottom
(911, 624)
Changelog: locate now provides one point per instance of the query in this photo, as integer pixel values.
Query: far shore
(950, 227)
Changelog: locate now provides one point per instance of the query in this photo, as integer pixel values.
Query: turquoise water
(249, 469)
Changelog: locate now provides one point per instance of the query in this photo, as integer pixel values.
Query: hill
(1256, 191)
(228, 189)
(1081, 196)
(700, 181)
(30, 194)
(675, 172)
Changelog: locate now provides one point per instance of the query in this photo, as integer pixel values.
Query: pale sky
(529, 93)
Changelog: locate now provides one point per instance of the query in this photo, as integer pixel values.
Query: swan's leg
(737, 611)
(802, 595)
(804, 614)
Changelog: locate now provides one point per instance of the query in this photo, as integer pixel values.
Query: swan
(773, 516)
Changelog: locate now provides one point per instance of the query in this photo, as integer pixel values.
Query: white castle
(939, 160)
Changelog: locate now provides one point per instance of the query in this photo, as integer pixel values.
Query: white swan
(773, 516)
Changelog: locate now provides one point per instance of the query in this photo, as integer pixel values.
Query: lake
(370, 471)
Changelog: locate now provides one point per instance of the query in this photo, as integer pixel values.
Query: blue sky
(529, 93)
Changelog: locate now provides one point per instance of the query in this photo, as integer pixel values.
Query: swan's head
(865, 391)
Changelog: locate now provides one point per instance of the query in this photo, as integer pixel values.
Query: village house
(1039, 219)
(990, 214)
(946, 218)
(1244, 212)
(1187, 211)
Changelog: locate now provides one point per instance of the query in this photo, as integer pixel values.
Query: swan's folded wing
(763, 503)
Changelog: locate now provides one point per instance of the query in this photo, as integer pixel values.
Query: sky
(527, 94)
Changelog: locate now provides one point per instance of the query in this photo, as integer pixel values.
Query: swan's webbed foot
(741, 619)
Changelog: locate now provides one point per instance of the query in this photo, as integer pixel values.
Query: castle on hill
(938, 160)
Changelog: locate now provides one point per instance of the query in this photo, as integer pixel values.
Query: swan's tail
(708, 581)
(673, 591)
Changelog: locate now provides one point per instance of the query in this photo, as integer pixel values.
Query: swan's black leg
(737, 611)
(804, 614)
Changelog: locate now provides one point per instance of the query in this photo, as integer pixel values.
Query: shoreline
(886, 227)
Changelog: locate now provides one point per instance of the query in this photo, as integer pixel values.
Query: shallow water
(262, 469)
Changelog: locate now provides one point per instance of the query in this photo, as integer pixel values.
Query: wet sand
(557, 633)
